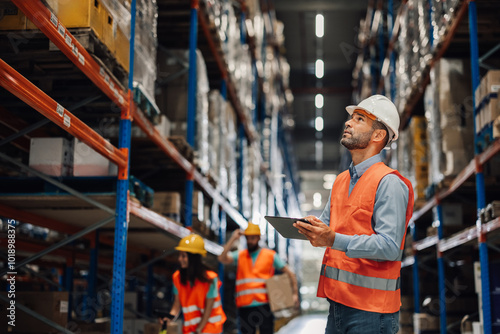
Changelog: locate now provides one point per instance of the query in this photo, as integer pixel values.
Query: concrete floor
(305, 324)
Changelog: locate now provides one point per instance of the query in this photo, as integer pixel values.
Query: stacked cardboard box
(448, 109)
(486, 98)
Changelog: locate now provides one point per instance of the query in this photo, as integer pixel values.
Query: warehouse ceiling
(338, 47)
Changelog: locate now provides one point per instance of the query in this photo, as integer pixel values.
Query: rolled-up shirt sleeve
(388, 222)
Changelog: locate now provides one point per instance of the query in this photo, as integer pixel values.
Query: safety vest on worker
(251, 278)
(368, 285)
(192, 299)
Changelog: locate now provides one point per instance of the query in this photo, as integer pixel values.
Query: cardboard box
(452, 214)
(51, 156)
(280, 291)
(51, 305)
(168, 203)
(87, 162)
(425, 322)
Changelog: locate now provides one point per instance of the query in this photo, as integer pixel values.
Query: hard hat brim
(351, 109)
(190, 250)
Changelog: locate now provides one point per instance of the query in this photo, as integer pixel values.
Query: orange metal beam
(49, 24)
(38, 100)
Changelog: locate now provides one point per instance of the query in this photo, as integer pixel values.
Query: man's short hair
(377, 125)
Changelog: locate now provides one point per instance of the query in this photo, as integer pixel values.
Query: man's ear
(378, 135)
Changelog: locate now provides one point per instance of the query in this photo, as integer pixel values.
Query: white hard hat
(384, 110)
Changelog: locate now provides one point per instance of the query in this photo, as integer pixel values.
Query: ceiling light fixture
(320, 25)
(319, 69)
(319, 124)
(319, 101)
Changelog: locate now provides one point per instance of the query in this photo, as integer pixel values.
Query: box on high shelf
(87, 162)
(418, 128)
(487, 102)
(51, 156)
(168, 203)
(452, 78)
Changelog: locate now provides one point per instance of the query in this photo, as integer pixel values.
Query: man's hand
(236, 234)
(318, 233)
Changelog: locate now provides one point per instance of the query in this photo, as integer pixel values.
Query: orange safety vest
(363, 284)
(193, 300)
(251, 278)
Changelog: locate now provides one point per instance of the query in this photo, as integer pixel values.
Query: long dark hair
(196, 270)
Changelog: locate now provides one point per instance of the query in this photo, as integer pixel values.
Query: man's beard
(357, 142)
(253, 248)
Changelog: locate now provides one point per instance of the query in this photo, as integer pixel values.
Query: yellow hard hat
(252, 229)
(192, 244)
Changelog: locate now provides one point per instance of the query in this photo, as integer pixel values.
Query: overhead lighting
(329, 177)
(317, 200)
(318, 124)
(320, 25)
(319, 101)
(319, 69)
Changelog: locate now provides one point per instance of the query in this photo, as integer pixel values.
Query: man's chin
(253, 248)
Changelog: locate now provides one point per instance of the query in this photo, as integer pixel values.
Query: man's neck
(358, 156)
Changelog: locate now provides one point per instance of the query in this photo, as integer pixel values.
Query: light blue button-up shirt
(388, 220)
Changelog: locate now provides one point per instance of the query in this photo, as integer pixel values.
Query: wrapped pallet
(449, 118)
(172, 99)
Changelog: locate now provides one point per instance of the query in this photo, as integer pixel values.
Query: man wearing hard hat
(254, 266)
(363, 227)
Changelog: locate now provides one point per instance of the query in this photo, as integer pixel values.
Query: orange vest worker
(363, 284)
(251, 278)
(192, 299)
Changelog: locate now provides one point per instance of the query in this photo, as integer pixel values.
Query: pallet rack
(383, 69)
(127, 214)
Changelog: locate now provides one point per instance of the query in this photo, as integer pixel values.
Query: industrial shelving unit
(128, 215)
(445, 245)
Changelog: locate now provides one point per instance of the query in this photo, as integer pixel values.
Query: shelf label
(67, 120)
(53, 19)
(75, 50)
(81, 58)
(61, 30)
(68, 41)
(60, 110)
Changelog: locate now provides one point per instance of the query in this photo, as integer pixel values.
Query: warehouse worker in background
(363, 227)
(196, 290)
(254, 266)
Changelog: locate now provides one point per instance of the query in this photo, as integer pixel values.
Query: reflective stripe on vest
(250, 291)
(193, 308)
(250, 280)
(197, 320)
(360, 280)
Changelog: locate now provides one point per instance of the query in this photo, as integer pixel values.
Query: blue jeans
(347, 320)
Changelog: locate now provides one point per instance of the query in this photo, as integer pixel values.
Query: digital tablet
(284, 225)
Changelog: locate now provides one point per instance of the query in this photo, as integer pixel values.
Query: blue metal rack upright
(122, 215)
(480, 187)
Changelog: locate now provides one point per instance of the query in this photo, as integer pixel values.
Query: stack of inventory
(449, 119)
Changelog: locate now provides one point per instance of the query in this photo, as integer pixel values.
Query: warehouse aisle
(310, 323)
